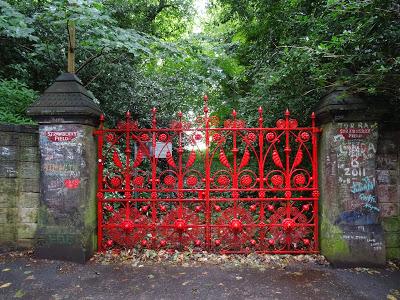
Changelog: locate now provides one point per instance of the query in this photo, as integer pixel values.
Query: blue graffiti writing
(371, 207)
(368, 198)
(369, 201)
(364, 186)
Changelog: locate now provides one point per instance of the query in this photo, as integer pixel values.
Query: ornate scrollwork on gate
(232, 189)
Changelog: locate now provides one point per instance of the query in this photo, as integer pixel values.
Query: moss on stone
(392, 239)
(331, 238)
(391, 224)
(393, 253)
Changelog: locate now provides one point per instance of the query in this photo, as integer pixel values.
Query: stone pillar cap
(66, 101)
(340, 105)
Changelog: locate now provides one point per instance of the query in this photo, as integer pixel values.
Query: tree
(124, 67)
(294, 51)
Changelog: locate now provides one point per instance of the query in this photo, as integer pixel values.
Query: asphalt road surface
(23, 277)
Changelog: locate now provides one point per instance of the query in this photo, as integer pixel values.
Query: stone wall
(388, 181)
(19, 185)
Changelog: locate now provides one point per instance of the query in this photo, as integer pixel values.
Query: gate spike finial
(205, 98)
(128, 114)
(234, 113)
(102, 118)
(153, 112)
(313, 119)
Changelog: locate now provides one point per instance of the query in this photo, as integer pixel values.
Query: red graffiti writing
(72, 183)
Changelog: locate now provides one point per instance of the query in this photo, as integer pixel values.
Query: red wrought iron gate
(198, 185)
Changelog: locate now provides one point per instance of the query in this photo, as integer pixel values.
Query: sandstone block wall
(19, 185)
(388, 191)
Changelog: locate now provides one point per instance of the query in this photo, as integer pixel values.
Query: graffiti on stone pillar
(63, 168)
(355, 145)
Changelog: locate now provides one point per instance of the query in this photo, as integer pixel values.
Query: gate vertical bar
(207, 177)
(153, 172)
(153, 194)
(287, 150)
(261, 193)
(128, 151)
(235, 184)
(180, 175)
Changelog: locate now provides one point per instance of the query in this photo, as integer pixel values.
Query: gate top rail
(205, 121)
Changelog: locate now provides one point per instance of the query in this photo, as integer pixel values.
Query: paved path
(26, 278)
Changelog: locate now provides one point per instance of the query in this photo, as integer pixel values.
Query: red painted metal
(230, 189)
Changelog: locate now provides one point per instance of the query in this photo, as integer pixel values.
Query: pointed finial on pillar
(71, 46)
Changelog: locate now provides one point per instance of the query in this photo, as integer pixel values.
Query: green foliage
(15, 99)
(130, 61)
(296, 51)
(14, 24)
(136, 54)
(167, 19)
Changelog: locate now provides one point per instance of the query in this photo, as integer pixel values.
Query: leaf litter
(262, 262)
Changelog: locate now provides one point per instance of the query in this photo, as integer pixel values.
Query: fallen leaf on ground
(239, 277)
(6, 270)
(5, 285)
(19, 294)
(297, 273)
(185, 283)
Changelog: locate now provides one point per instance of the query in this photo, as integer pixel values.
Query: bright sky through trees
(201, 11)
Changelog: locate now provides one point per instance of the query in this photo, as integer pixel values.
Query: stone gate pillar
(67, 116)
(350, 229)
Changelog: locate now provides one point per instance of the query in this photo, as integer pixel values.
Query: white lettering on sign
(61, 136)
(354, 133)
